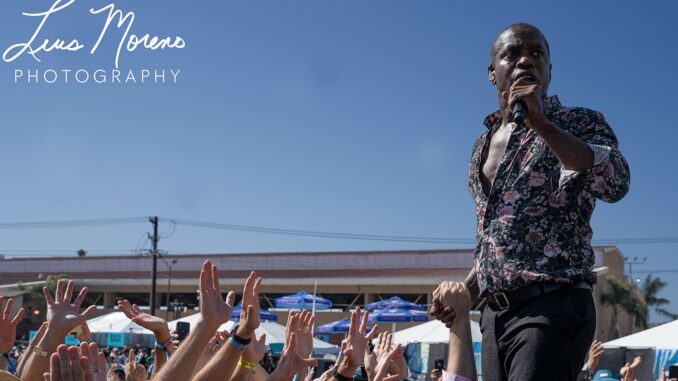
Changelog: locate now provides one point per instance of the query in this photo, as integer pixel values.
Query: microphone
(519, 111)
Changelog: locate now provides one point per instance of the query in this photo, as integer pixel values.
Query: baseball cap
(605, 375)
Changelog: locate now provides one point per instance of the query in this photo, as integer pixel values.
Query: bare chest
(492, 156)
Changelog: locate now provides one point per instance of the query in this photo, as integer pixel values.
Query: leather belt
(504, 300)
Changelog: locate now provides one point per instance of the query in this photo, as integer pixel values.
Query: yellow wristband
(247, 364)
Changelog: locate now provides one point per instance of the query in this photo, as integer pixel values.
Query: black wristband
(239, 339)
(339, 377)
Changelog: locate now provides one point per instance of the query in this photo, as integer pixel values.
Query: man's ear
(490, 74)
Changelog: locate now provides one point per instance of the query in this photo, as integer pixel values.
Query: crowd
(209, 354)
(205, 354)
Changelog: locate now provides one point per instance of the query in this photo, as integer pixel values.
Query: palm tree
(650, 288)
(620, 297)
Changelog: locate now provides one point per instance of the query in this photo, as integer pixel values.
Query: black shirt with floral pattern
(534, 225)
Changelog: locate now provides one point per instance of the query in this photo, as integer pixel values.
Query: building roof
(340, 267)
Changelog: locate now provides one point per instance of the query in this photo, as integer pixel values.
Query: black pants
(545, 338)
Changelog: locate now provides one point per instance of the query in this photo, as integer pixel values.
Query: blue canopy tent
(397, 315)
(394, 302)
(263, 314)
(341, 326)
(303, 301)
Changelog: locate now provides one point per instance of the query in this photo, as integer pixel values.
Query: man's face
(522, 53)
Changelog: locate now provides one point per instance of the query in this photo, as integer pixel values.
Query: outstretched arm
(224, 362)
(62, 317)
(460, 359)
(214, 311)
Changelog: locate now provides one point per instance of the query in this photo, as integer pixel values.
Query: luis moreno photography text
(118, 27)
(332, 190)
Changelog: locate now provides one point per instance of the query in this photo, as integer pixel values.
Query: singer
(535, 179)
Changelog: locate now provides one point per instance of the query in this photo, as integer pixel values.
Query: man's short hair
(521, 25)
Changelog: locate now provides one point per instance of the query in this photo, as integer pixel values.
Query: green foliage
(620, 297)
(651, 287)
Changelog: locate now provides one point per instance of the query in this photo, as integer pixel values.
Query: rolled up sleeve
(609, 178)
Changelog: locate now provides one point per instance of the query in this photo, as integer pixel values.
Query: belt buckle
(503, 302)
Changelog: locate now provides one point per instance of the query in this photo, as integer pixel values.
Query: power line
(299, 232)
(49, 251)
(625, 241)
(392, 238)
(72, 223)
(322, 234)
(657, 271)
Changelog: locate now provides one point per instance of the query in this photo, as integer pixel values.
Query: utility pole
(154, 254)
(635, 261)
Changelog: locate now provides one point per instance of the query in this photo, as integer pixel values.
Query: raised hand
(95, 366)
(214, 310)
(304, 331)
(451, 300)
(256, 350)
(8, 326)
(356, 342)
(249, 317)
(398, 363)
(152, 323)
(384, 345)
(595, 351)
(62, 315)
(134, 371)
(383, 364)
(290, 361)
(370, 362)
(66, 365)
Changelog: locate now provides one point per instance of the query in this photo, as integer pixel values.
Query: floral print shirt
(534, 225)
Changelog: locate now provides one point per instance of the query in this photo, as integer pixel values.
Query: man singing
(535, 182)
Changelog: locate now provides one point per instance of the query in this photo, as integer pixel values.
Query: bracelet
(39, 351)
(165, 347)
(237, 338)
(236, 345)
(340, 377)
(247, 364)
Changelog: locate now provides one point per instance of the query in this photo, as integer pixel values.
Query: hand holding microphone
(519, 111)
(521, 89)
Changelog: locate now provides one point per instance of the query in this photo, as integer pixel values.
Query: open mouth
(525, 77)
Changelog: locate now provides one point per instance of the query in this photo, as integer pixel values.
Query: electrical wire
(295, 232)
(322, 234)
(392, 238)
(73, 223)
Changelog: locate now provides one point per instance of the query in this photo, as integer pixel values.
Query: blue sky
(340, 116)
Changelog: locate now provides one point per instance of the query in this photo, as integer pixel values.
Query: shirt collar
(550, 104)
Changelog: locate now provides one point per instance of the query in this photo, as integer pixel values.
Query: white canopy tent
(431, 332)
(115, 322)
(663, 338)
(275, 333)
